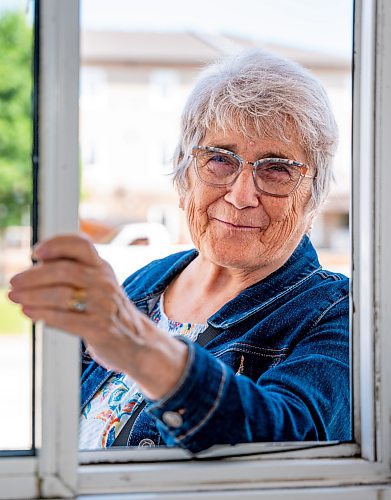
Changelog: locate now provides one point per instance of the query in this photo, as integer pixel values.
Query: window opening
(18, 146)
(135, 77)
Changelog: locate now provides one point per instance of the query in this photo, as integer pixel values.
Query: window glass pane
(139, 63)
(16, 55)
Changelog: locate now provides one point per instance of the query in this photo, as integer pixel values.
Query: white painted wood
(14, 465)
(227, 475)
(385, 494)
(382, 309)
(361, 493)
(58, 209)
(18, 478)
(21, 487)
(363, 226)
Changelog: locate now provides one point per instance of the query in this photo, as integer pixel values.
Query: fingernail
(12, 295)
(14, 279)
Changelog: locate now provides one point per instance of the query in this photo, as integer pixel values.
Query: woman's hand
(73, 289)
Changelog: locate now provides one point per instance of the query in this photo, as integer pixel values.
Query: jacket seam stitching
(270, 301)
(269, 349)
(249, 351)
(147, 297)
(328, 309)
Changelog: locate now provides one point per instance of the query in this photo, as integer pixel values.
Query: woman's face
(237, 226)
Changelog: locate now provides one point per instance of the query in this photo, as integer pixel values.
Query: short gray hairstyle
(258, 92)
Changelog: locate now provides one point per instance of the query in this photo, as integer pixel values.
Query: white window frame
(52, 473)
(358, 470)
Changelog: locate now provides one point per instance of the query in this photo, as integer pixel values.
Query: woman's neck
(204, 287)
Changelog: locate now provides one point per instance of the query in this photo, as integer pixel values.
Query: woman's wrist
(161, 362)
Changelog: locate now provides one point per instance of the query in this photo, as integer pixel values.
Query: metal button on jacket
(172, 419)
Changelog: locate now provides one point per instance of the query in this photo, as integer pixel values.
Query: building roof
(186, 48)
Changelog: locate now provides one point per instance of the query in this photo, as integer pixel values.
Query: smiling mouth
(237, 226)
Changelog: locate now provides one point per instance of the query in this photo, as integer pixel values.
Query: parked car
(135, 245)
(141, 233)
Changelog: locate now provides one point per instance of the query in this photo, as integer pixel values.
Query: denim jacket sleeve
(306, 396)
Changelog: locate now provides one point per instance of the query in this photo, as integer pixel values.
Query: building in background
(133, 88)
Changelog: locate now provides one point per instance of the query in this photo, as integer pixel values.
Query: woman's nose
(243, 193)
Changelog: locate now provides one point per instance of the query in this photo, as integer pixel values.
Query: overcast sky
(324, 25)
(320, 24)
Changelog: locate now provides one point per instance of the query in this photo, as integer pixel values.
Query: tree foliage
(15, 117)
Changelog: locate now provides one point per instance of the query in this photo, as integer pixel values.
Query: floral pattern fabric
(105, 415)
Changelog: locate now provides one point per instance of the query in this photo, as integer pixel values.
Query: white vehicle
(135, 245)
(142, 233)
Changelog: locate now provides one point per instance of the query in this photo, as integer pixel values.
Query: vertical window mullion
(58, 213)
(382, 241)
(363, 226)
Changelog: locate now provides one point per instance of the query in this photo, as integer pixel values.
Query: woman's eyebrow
(228, 147)
(275, 154)
(269, 154)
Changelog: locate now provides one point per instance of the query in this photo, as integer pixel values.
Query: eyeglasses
(272, 176)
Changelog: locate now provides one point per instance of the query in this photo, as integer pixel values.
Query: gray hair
(258, 92)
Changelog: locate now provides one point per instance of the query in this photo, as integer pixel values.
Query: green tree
(15, 117)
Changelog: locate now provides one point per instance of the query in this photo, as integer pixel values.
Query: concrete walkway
(15, 392)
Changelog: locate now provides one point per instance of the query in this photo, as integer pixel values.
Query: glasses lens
(278, 178)
(216, 167)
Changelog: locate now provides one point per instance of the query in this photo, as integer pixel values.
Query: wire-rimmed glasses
(278, 177)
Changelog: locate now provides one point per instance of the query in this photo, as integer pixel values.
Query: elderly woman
(245, 338)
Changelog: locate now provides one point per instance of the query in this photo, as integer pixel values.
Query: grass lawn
(11, 318)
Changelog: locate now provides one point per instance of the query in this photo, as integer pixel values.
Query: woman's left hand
(73, 289)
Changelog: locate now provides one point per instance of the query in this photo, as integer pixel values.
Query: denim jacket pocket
(250, 360)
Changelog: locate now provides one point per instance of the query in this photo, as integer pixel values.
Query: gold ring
(78, 301)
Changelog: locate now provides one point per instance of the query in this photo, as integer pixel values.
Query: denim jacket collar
(297, 269)
(302, 264)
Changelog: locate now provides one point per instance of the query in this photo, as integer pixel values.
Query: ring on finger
(78, 301)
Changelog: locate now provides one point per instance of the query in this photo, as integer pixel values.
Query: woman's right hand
(73, 289)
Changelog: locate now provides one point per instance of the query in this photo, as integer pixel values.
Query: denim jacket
(278, 370)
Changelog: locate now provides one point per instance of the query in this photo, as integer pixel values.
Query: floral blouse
(106, 414)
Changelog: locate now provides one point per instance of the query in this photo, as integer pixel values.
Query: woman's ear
(311, 217)
(181, 184)
(181, 194)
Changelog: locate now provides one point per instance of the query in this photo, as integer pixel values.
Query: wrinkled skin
(118, 336)
(278, 224)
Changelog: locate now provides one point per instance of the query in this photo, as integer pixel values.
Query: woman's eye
(220, 159)
(220, 165)
(278, 168)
